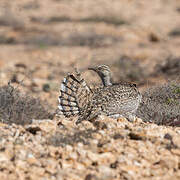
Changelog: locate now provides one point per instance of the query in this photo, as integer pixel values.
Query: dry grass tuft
(21, 108)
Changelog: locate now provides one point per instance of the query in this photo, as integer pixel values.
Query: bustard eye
(99, 69)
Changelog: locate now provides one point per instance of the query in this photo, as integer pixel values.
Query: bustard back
(112, 99)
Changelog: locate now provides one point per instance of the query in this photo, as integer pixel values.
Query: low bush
(19, 108)
(161, 105)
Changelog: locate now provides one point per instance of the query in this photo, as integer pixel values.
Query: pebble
(101, 156)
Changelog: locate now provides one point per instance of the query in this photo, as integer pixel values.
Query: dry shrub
(169, 68)
(21, 108)
(127, 69)
(62, 139)
(161, 105)
(114, 20)
(45, 39)
(10, 18)
(89, 38)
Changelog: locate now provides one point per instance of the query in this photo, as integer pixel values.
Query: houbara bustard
(112, 99)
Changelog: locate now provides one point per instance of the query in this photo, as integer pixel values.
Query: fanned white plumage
(71, 90)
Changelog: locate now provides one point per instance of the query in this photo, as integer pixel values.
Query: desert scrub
(19, 108)
(161, 105)
(126, 69)
(169, 68)
(62, 139)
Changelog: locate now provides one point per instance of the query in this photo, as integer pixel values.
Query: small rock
(168, 136)
(105, 171)
(32, 160)
(3, 157)
(46, 87)
(90, 177)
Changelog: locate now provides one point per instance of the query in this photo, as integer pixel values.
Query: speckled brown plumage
(111, 99)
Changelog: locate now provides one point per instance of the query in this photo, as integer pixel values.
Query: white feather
(60, 107)
(59, 99)
(75, 108)
(63, 87)
(72, 104)
(75, 112)
(64, 80)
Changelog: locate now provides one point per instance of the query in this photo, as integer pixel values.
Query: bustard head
(104, 73)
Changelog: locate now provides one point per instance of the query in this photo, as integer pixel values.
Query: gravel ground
(106, 149)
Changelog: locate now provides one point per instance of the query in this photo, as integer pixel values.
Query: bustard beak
(92, 68)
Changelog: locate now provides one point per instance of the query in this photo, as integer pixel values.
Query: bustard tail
(74, 95)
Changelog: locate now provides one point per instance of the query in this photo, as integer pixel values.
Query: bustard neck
(106, 80)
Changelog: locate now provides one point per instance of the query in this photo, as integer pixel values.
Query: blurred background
(40, 41)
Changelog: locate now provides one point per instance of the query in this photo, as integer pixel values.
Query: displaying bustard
(112, 99)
